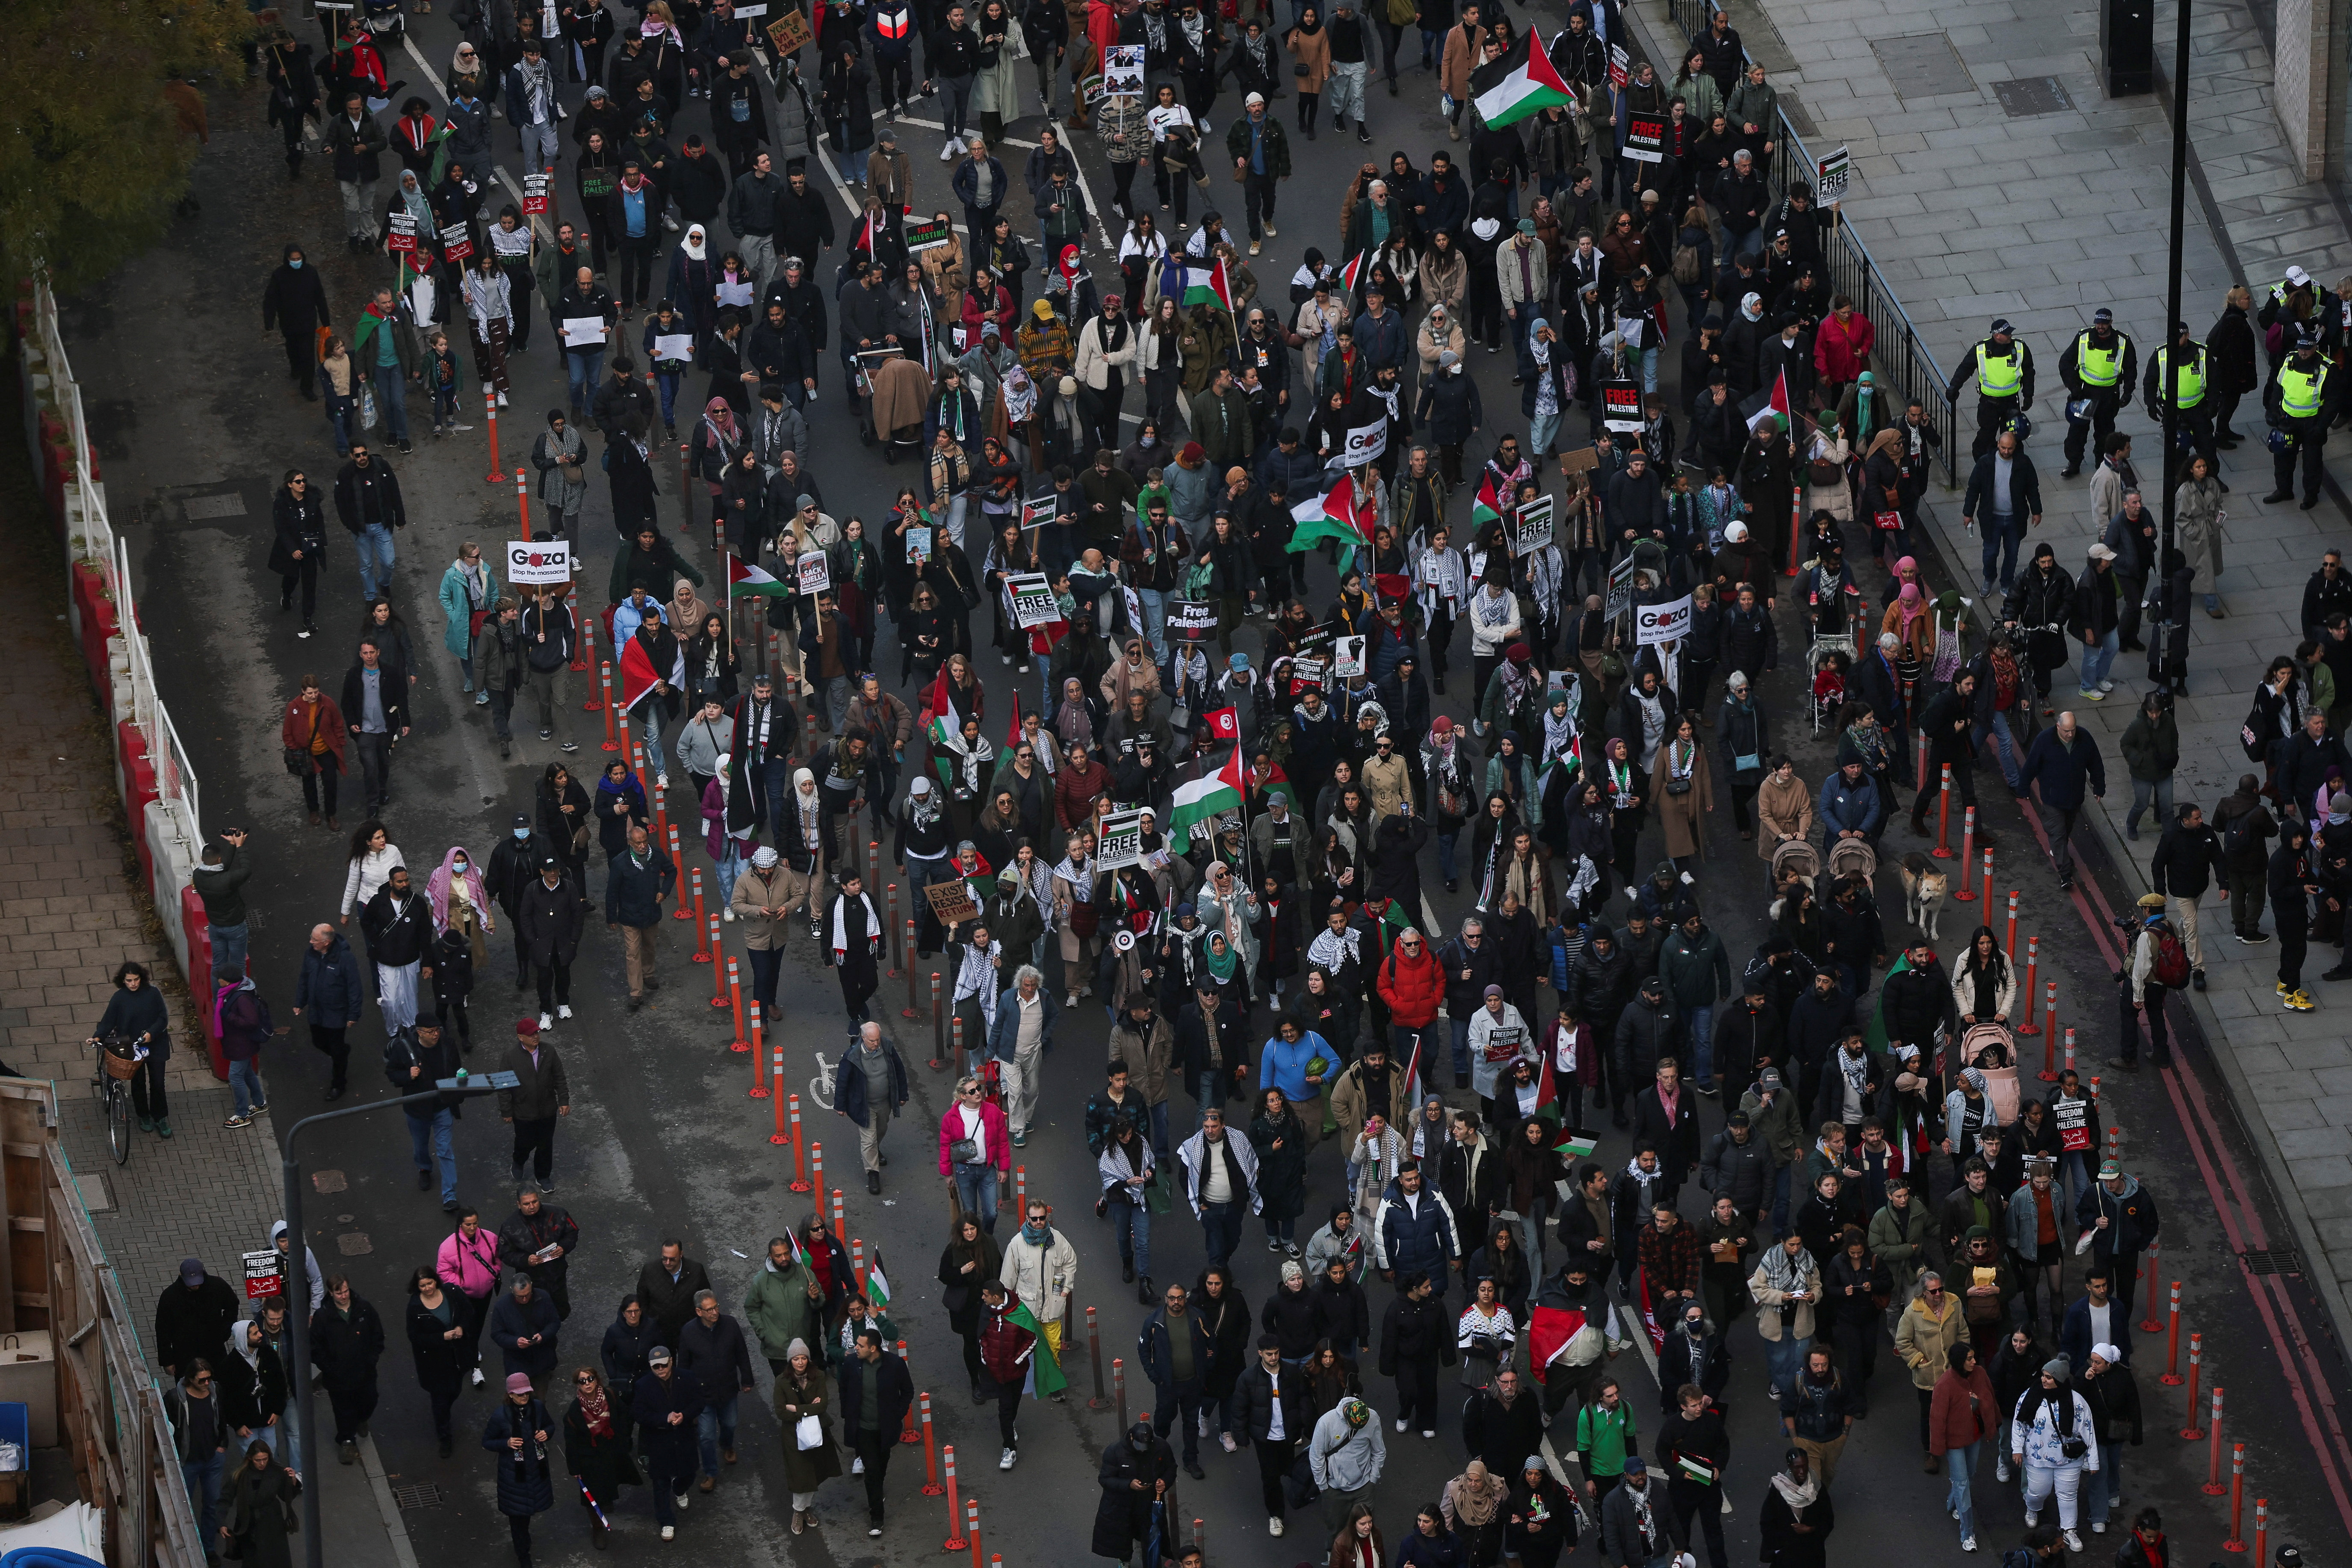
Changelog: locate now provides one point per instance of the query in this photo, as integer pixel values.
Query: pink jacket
(992, 1129)
(436, 889)
(470, 1267)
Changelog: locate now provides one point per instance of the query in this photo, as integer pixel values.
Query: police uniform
(2004, 375)
(2098, 367)
(2296, 400)
(2193, 412)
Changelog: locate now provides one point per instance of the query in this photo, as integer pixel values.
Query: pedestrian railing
(1900, 357)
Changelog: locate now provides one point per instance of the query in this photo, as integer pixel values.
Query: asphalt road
(188, 404)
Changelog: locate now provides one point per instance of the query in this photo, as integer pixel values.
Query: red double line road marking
(2322, 1422)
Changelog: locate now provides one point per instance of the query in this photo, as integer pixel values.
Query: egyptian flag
(638, 674)
(1772, 402)
(1549, 1329)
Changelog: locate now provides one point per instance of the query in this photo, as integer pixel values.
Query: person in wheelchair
(1831, 592)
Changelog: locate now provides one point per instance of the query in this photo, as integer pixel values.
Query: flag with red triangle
(1012, 729)
(1353, 271)
(1208, 286)
(1488, 506)
(1770, 403)
(1341, 516)
(638, 674)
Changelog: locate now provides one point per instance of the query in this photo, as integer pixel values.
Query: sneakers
(1274, 1524)
(2253, 938)
(546, 1021)
(1968, 1544)
(477, 1383)
(1271, 231)
(2099, 1527)
(727, 914)
(669, 1532)
(2299, 1002)
(1255, 246)
(1004, 1460)
(949, 152)
(2088, 694)
(1225, 1441)
(1401, 1423)
(2073, 1541)
(858, 1466)
(238, 1122)
(2033, 1517)
(2106, 686)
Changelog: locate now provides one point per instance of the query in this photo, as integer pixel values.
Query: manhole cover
(2283, 1260)
(1923, 64)
(417, 1494)
(201, 507)
(327, 1182)
(354, 1243)
(2032, 95)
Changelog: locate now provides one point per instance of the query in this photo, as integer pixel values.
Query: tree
(92, 155)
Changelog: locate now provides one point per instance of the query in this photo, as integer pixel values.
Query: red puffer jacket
(1002, 1341)
(1413, 990)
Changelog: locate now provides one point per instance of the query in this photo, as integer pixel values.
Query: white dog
(1923, 894)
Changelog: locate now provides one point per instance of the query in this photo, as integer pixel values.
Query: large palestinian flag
(1206, 798)
(1519, 84)
(1341, 516)
(1206, 286)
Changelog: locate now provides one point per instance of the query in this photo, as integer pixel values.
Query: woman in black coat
(636, 493)
(714, 665)
(1797, 1518)
(258, 1499)
(298, 517)
(2233, 369)
(1280, 1139)
(520, 1432)
(1448, 410)
(1292, 1314)
(137, 1013)
(1225, 1315)
(596, 1448)
(1137, 1475)
(628, 1338)
(1539, 1520)
(846, 104)
(436, 1322)
(969, 1258)
(563, 809)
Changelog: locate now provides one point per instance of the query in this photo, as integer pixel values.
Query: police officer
(2098, 368)
(2299, 302)
(2004, 371)
(2192, 418)
(2296, 400)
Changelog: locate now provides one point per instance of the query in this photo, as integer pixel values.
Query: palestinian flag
(1045, 1371)
(1519, 84)
(745, 578)
(1577, 1147)
(877, 1288)
(1487, 507)
(1549, 1329)
(638, 674)
(1133, 913)
(1206, 286)
(1771, 402)
(945, 731)
(1341, 516)
(1353, 273)
(1205, 799)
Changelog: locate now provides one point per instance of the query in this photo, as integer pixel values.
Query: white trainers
(1274, 1524)
(546, 1021)
(858, 1466)
(1968, 1544)
(1070, 999)
(2099, 1527)
(2073, 1541)
(679, 1500)
(2033, 1517)
(661, 780)
(727, 914)
(1270, 231)
(1225, 1440)
(564, 1010)
(477, 1377)
(1401, 1423)
(1004, 1460)
(502, 400)
(669, 1532)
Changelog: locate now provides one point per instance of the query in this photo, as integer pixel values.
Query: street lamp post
(298, 1287)
(2170, 381)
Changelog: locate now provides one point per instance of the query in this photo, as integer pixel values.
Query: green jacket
(1277, 144)
(1698, 973)
(2152, 749)
(553, 270)
(1778, 1124)
(1900, 1242)
(781, 1310)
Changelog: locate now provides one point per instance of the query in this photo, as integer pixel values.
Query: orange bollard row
(758, 1056)
(702, 949)
(800, 1148)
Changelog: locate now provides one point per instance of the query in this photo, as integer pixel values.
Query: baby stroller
(1992, 1049)
(1797, 857)
(1854, 858)
(1829, 664)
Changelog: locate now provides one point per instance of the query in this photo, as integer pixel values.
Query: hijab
(1476, 1494)
(1222, 960)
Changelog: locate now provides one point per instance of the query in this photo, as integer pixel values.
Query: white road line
(1080, 175)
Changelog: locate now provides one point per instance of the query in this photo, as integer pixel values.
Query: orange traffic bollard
(2192, 1432)
(858, 1263)
(931, 1487)
(776, 1080)
(817, 1174)
(2214, 1486)
(800, 1147)
(954, 1542)
(971, 1526)
(701, 930)
(890, 928)
(678, 860)
(2012, 925)
(496, 476)
(583, 646)
(2171, 1378)
(840, 1219)
(1968, 853)
(522, 513)
(911, 1010)
(1943, 849)
(758, 1056)
(609, 707)
(735, 1000)
(2148, 1323)
(2237, 1541)
(2262, 1530)
(2032, 962)
(906, 1434)
(717, 970)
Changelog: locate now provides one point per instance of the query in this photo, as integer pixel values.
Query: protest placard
(1034, 604)
(1121, 843)
(1669, 622)
(530, 565)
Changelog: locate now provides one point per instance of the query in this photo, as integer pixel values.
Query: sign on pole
(265, 1274)
(1366, 443)
(1621, 67)
(1123, 71)
(1306, 672)
(1831, 175)
(1192, 620)
(1122, 840)
(1621, 407)
(1531, 529)
(534, 195)
(1034, 604)
(951, 902)
(1038, 511)
(815, 573)
(1348, 656)
(457, 242)
(1620, 588)
(1662, 623)
(403, 233)
(931, 232)
(530, 565)
(1645, 137)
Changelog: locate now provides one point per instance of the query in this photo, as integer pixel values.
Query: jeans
(2004, 746)
(391, 399)
(1220, 1230)
(2103, 1491)
(716, 1426)
(1282, 1230)
(203, 1482)
(1132, 1225)
(1460, 1048)
(1179, 1405)
(581, 367)
(245, 1078)
(1702, 1038)
(2066, 1482)
(230, 947)
(975, 1188)
(431, 1141)
(540, 147)
(343, 416)
(2160, 791)
(1785, 1356)
(1155, 622)
(374, 546)
(2096, 661)
(1649, 358)
(1446, 842)
(2002, 535)
(1959, 1494)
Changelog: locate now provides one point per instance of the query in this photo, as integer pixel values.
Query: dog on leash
(1923, 894)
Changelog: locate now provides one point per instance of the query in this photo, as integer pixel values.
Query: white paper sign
(1662, 623)
(1832, 174)
(530, 564)
(678, 347)
(1348, 656)
(815, 572)
(1532, 528)
(1032, 600)
(1122, 840)
(734, 293)
(584, 331)
(1366, 443)
(1123, 70)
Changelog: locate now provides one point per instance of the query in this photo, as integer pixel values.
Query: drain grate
(417, 1494)
(201, 507)
(2278, 1260)
(2029, 96)
(1923, 64)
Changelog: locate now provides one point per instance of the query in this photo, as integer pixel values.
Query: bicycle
(118, 1060)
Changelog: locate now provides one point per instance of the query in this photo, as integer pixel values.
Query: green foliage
(91, 154)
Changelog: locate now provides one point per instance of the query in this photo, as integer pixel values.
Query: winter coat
(526, 1484)
(346, 1346)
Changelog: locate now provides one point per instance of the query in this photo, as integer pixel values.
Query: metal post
(2171, 1378)
(1094, 1349)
